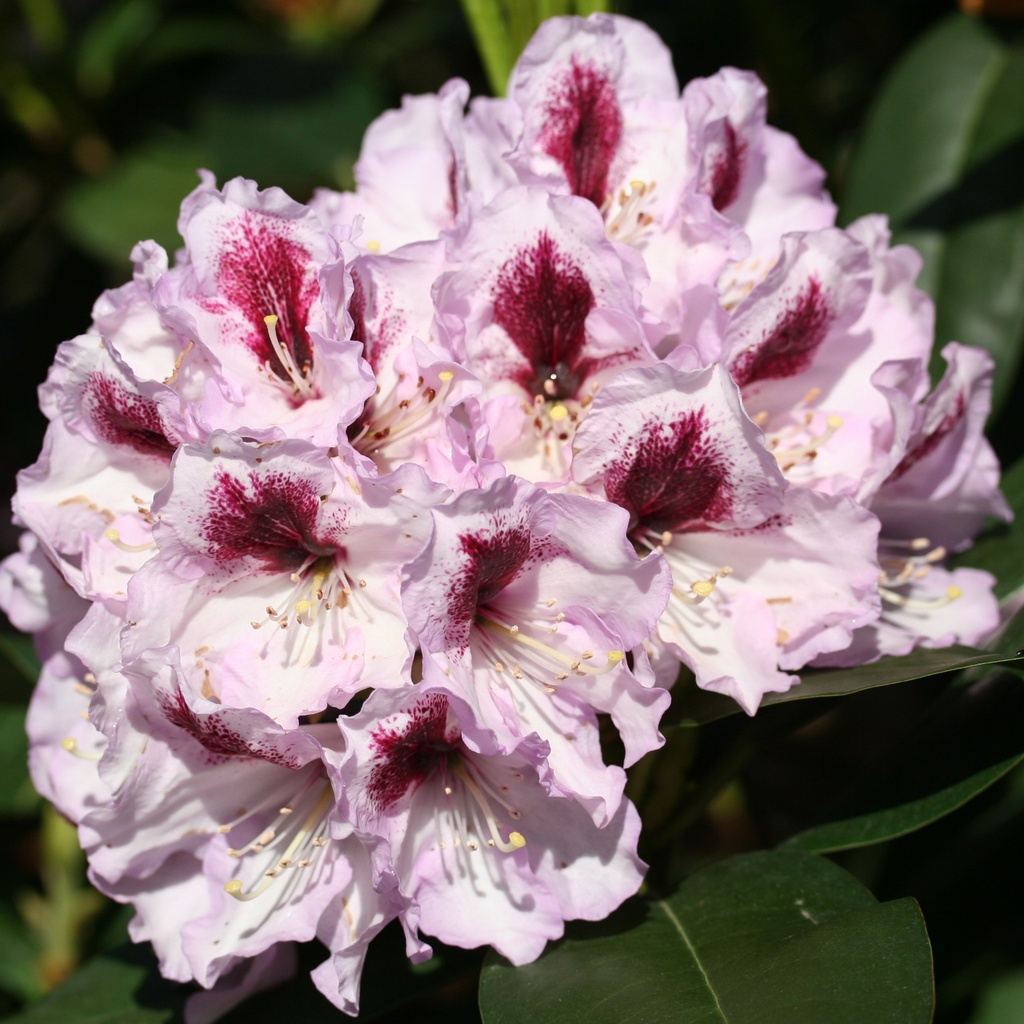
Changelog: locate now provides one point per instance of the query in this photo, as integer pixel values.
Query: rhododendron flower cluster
(354, 520)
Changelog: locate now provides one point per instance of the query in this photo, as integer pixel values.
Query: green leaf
(296, 145)
(697, 706)
(19, 667)
(762, 938)
(18, 958)
(1001, 1001)
(17, 796)
(114, 34)
(965, 739)
(139, 199)
(121, 987)
(898, 821)
(942, 153)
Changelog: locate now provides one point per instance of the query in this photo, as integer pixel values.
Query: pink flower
(477, 839)
(524, 605)
(279, 571)
(765, 577)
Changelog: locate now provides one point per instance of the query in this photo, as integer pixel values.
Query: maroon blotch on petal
(727, 170)
(121, 417)
(542, 300)
(789, 347)
(261, 272)
(271, 517)
(583, 128)
(404, 756)
(678, 479)
(926, 444)
(215, 734)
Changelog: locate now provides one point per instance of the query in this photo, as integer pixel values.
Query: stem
(487, 22)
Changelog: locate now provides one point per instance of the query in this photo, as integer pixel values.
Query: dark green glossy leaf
(943, 155)
(697, 707)
(898, 821)
(763, 938)
(965, 739)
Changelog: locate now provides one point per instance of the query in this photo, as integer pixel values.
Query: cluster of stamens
(470, 799)
(906, 562)
(739, 279)
(298, 380)
(290, 842)
(625, 215)
(385, 420)
(797, 445)
(512, 651)
(85, 687)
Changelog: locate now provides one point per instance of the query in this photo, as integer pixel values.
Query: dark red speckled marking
(261, 272)
(541, 300)
(925, 445)
(678, 478)
(357, 310)
(727, 170)
(789, 347)
(270, 516)
(215, 734)
(123, 418)
(492, 560)
(583, 128)
(404, 756)
(453, 188)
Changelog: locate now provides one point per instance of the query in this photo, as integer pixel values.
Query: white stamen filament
(114, 537)
(385, 425)
(898, 569)
(921, 603)
(787, 458)
(625, 216)
(480, 814)
(297, 377)
(304, 839)
(70, 744)
(573, 662)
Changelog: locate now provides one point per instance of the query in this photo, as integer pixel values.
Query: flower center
(906, 562)
(625, 213)
(388, 419)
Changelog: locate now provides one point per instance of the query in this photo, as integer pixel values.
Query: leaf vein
(693, 952)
